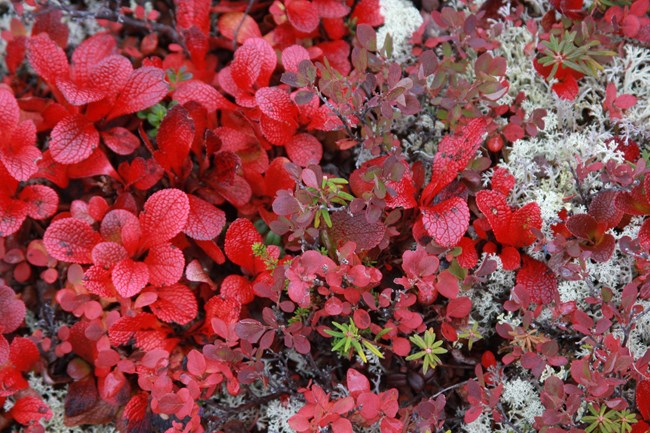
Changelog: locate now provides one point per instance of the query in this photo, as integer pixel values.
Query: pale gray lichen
(401, 19)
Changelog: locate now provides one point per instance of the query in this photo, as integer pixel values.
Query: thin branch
(249, 6)
(108, 14)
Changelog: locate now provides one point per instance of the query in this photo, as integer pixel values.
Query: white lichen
(401, 19)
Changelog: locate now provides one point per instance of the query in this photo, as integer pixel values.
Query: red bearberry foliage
(214, 213)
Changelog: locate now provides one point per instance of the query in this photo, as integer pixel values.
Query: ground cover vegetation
(325, 216)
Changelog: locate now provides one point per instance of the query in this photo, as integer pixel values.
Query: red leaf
(643, 398)
(47, 58)
(166, 264)
(12, 215)
(70, 240)
(254, 63)
(459, 307)
(603, 208)
(129, 277)
(89, 54)
(135, 418)
(644, 234)
(30, 409)
(106, 254)
(175, 138)
(583, 226)
(120, 140)
(239, 288)
(141, 173)
(146, 87)
(240, 237)
(446, 222)
(111, 74)
(292, 56)
(73, 139)
(164, 216)
(204, 94)
(175, 303)
(447, 285)
(244, 24)
(18, 152)
(205, 221)
(509, 228)
(123, 227)
(356, 229)
(472, 414)
(331, 8)
(42, 201)
(538, 280)
(567, 88)
(368, 12)
(454, 153)
(276, 104)
(277, 132)
(4, 350)
(357, 383)
(11, 381)
(227, 309)
(302, 15)
(304, 149)
(23, 353)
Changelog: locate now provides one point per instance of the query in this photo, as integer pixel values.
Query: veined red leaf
(12, 215)
(164, 216)
(538, 280)
(276, 104)
(122, 227)
(292, 56)
(120, 140)
(73, 139)
(302, 15)
(446, 222)
(232, 21)
(502, 181)
(9, 111)
(205, 221)
(175, 138)
(42, 201)
(30, 409)
(146, 87)
(70, 240)
(111, 74)
(331, 8)
(106, 254)
(204, 94)
(254, 63)
(277, 132)
(510, 228)
(129, 277)
(166, 264)
(141, 173)
(136, 416)
(226, 309)
(304, 149)
(368, 12)
(356, 229)
(454, 153)
(23, 353)
(239, 288)
(89, 54)
(240, 237)
(47, 58)
(175, 303)
(12, 310)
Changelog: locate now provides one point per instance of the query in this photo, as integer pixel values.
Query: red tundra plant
(238, 216)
